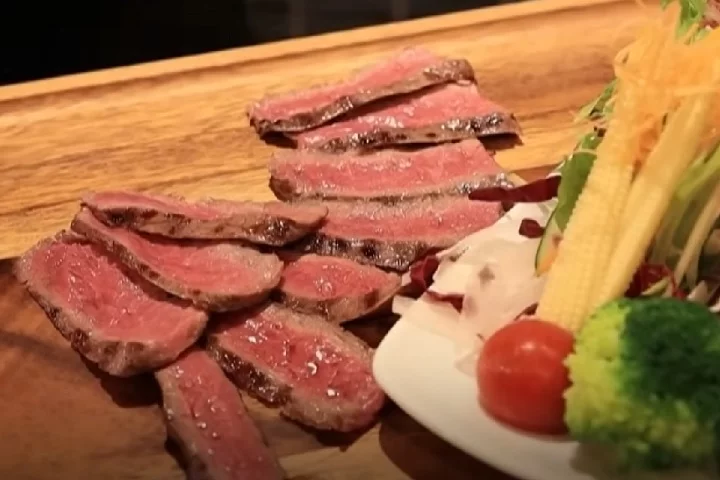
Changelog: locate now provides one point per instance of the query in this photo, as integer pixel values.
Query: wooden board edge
(285, 48)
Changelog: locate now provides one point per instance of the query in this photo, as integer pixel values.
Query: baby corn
(652, 192)
(664, 107)
(588, 240)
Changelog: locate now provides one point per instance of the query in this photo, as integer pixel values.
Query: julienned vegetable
(694, 194)
(637, 216)
(646, 382)
(693, 14)
(665, 108)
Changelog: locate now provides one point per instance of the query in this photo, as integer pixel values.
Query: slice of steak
(394, 236)
(406, 71)
(386, 175)
(267, 223)
(434, 115)
(216, 276)
(207, 418)
(110, 316)
(335, 288)
(317, 373)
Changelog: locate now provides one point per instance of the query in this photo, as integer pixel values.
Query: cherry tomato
(521, 376)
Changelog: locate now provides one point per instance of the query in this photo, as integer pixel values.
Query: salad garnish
(574, 173)
(623, 349)
(422, 271)
(533, 192)
(696, 18)
(661, 124)
(530, 228)
(515, 395)
(644, 380)
(454, 299)
(599, 318)
(421, 279)
(651, 280)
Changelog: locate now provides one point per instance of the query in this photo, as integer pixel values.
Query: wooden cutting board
(179, 126)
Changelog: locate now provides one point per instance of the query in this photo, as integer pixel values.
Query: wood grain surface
(179, 126)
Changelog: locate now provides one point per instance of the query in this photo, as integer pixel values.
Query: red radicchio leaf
(454, 299)
(530, 228)
(529, 310)
(534, 192)
(648, 275)
(422, 271)
(677, 292)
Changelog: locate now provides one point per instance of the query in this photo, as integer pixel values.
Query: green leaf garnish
(574, 173)
(599, 107)
(691, 13)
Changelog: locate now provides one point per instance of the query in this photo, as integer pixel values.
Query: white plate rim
(417, 369)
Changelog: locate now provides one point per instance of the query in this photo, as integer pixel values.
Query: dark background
(40, 39)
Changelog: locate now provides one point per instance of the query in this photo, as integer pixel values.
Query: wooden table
(179, 126)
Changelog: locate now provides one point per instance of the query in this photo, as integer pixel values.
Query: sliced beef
(207, 418)
(216, 276)
(434, 115)
(394, 236)
(335, 288)
(317, 373)
(406, 71)
(110, 316)
(387, 175)
(268, 223)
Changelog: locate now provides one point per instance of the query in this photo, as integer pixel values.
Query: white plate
(416, 365)
(417, 369)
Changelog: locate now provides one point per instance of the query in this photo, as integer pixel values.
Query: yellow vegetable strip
(587, 244)
(651, 193)
(687, 75)
(655, 74)
(700, 232)
(590, 236)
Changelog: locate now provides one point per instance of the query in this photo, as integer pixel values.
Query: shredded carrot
(661, 71)
(666, 110)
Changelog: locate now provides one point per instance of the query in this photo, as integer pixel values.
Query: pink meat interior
(203, 210)
(301, 214)
(387, 170)
(120, 200)
(389, 71)
(324, 278)
(222, 426)
(431, 106)
(207, 266)
(81, 278)
(418, 220)
(303, 356)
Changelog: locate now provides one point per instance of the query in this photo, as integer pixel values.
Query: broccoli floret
(645, 379)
